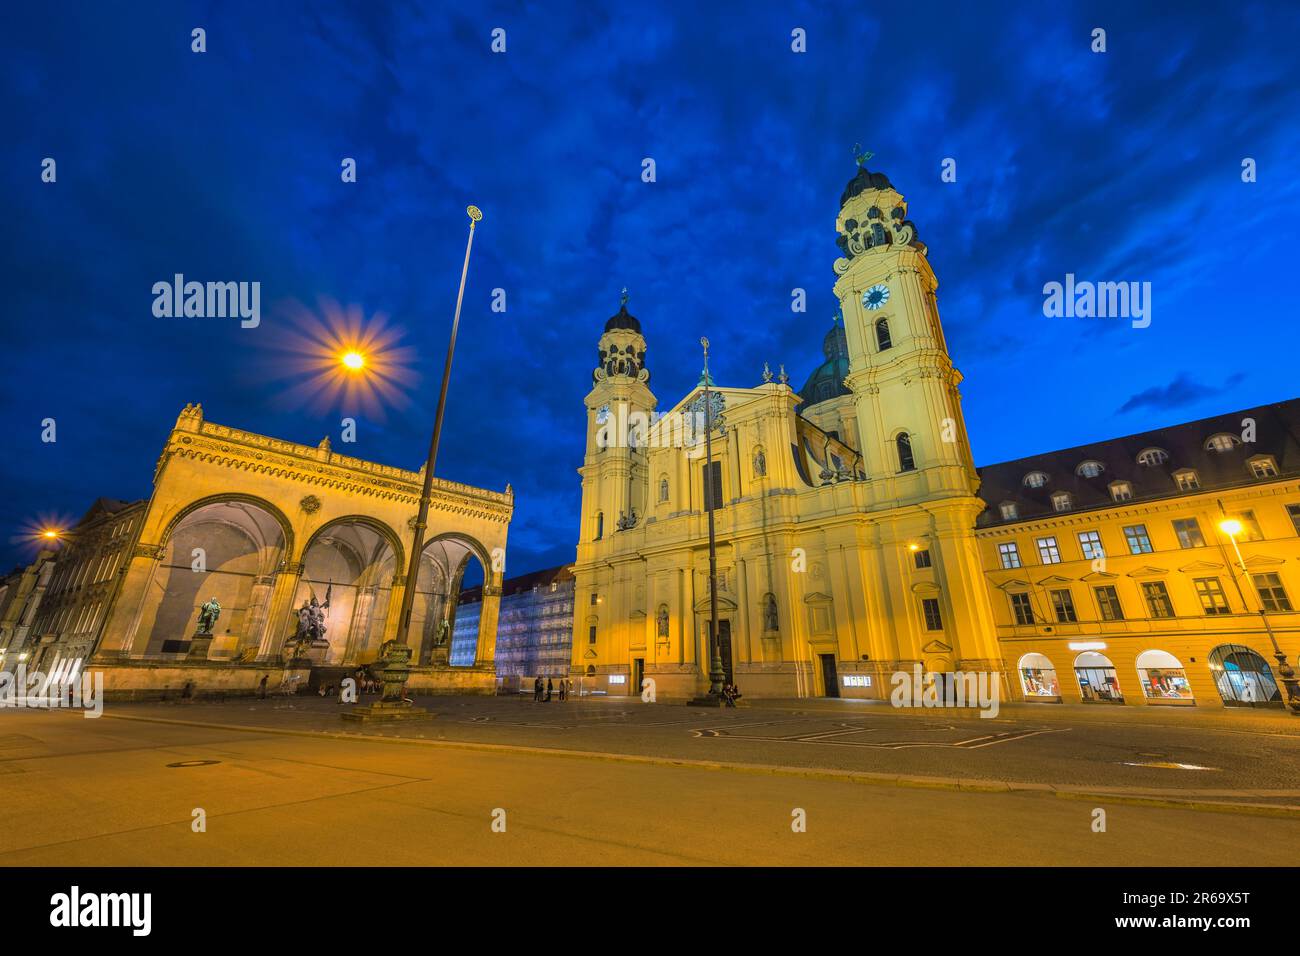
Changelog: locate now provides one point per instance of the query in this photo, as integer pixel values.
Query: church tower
(619, 406)
(910, 422)
(921, 476)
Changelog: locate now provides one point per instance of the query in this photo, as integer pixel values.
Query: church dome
(863, 181)
(623, 320)
(827, 380)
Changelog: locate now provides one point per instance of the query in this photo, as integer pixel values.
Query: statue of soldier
(208, 614)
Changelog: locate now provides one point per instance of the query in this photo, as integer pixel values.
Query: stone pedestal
(706, 700)
(199, 646)
(386, 712)
(391, 670)
(306, 653)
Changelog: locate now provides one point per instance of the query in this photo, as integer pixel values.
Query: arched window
(1163, 677)
(905, 460)
(600, 525)
(663, 488)
(1038, 677)
(882, 335)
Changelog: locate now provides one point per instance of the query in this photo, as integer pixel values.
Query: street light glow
(354, 361)
(1230, 526)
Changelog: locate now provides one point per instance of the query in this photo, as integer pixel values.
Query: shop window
(1162, 677)
(1098, 682)
(1243, 677)
(1038, 678)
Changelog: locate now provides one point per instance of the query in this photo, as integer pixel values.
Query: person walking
(537, 689)
(261, 688)
(549, 689)
(561, 690)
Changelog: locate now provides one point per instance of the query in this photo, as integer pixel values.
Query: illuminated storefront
(1038, 678)
(1098, 682)
(1163, 679)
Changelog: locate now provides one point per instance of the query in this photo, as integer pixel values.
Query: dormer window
(1035, 479)
(1263, 466)
(1008, 509)
(1151, 457)
(1121, 490)
(1186, 479)
(1090, 469)
(1062, 501)
(1222, 442)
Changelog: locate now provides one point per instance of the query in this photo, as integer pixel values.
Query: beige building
(856, 538)
(818, 505)
(263, 526)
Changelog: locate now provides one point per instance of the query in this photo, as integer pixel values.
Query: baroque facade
(262, 526)
(856, 538)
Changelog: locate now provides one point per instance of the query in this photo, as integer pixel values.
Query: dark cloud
(1182, 392)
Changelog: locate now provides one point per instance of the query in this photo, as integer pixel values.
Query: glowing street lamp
(353, 361)
(1232, 527)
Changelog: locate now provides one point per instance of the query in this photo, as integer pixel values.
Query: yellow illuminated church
(856, 538)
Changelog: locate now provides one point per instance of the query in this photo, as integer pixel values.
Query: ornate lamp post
(397, 652)
(716, 673)
(1232, 527)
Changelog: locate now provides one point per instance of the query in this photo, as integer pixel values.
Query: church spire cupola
(621, 352)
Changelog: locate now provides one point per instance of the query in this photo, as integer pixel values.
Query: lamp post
(1232, 527)
(716, 673)
(394, 648)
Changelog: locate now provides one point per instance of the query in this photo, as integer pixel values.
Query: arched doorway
(350, 562)
(1038, 678)
(1163, 678)
(449, 632)
(1098, 682)
(229, 549)
(1243, 677)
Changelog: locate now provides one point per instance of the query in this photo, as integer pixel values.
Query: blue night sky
(226, 166)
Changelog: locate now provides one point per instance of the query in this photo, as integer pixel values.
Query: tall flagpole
(426, 496)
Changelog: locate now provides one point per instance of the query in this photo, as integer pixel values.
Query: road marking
(1168, 765)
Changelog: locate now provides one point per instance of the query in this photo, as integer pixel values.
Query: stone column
(138, 574)
(359, 626)
(280, 624)
(394, 613)
(485, 655)
(259, 606)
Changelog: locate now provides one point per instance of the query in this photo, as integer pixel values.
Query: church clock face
(875, 297)
(602, 414)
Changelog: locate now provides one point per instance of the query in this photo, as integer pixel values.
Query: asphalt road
(124, 792)
(1147, 749)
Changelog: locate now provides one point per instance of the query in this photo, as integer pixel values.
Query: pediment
(1149, 571)
(927, 588)
(817, 597)
(1055, 579)
(1200, 566)
(1014, 583)
(704, 606)
(1099, 576)
(936, 647)
(1263, 561)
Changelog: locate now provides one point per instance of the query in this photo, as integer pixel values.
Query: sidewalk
(1253, 720)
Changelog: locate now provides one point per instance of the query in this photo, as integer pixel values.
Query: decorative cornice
(232, 448)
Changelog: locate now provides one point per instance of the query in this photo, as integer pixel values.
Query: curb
(1148, 798)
